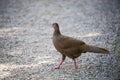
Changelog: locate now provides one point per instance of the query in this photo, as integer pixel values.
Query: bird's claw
(75, 68)
(57, 67)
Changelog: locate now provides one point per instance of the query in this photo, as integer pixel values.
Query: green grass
(117, 51)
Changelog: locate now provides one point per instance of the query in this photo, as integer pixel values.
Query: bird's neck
(57, 32)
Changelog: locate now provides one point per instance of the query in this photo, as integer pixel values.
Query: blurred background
(26, 49)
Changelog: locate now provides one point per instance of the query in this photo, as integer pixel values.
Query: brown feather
(72, 47)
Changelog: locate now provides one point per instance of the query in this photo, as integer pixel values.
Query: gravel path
(26, 49)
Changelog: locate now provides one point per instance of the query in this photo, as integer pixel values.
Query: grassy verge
(117, 51)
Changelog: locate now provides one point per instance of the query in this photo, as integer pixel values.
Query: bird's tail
(90, 48)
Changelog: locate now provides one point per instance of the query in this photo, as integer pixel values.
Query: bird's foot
(76, 67)
(57, 67)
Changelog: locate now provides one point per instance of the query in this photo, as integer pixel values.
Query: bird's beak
(52, 24)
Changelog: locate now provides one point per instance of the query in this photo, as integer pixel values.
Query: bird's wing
(65, 42)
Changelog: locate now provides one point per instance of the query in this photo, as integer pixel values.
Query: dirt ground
(26, 49)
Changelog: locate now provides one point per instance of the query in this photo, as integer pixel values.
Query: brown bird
(71, 47)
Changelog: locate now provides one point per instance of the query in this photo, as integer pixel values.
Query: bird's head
(55, 26)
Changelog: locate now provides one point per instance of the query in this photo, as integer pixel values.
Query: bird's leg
(63, 58)
(75, 65)
(58, 66)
